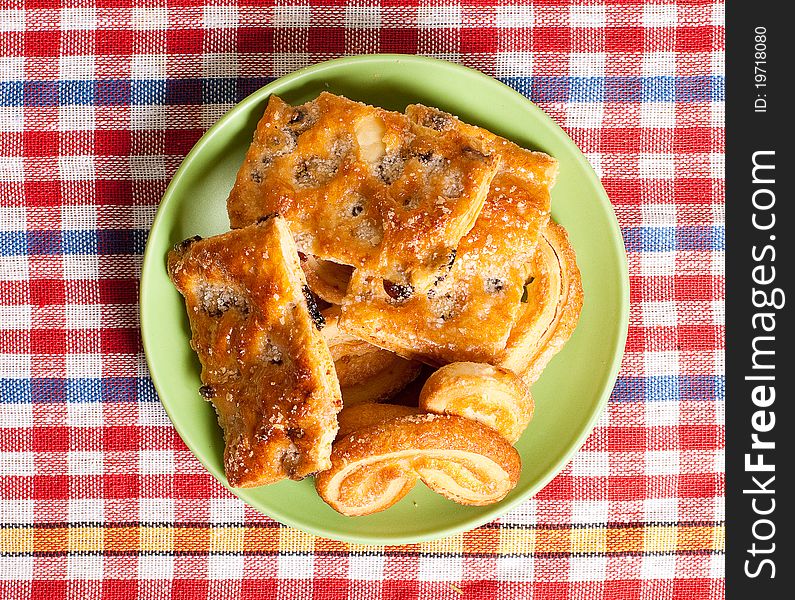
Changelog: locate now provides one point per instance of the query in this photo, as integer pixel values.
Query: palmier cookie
(373, 468)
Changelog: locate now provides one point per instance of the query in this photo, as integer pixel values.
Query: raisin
(207, 392)
(185, 244)
(314, 311)
(494, 285)
(397, 291)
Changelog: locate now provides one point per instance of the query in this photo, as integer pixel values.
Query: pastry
(265, 366)
(366, 373)
(364, 187)
(468, 315)
(490, 395)
(327, 279)
(551, 308)
(361, 416)
(374, 467)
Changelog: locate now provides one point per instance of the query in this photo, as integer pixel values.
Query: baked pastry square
(469, 314)
(265, 366)
(364, 186)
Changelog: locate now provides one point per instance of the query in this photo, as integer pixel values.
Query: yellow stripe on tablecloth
(598, 539)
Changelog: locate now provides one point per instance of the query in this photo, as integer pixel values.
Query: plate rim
(617, 352)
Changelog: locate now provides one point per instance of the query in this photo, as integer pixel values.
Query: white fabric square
(76, 117)
(446, 16)
(589, 511)
(439, 568)
(292, 16)
(84, 414)
(150, 18)
(147, 167)
(12, 118)
(84, 463)
(717, 165)
(587, 64)
(296, 566)
(80, 266)
(143, 216)
(661, 363)
(658, 567)
(658, 64)
(662, 462)
(148, 66)
(656, 166)
(84, 567)
(658, 215)
(587, 16)
(718, 310)
(584, 114)
(86, 510)
(657, 263)
(591, 464)
(663, 413)
(220, 17)
(12, 68)
(515, 568)
(16, 512)
(661, 510)
(15, 316)
(366, 568)
(658, 314)
(83, 316)
(79, 217)
(76, 68)
(14, 366)
(73, 19)
(155, 567)
(16, 414)
(16, 568)
(220, 65)
(226, 510)
(156, 510)
(358, 16)
(587, 568)
(12, 20)
(514, 16)
(717, 567)
(84, 366)
(76, 168)
(514, 64)
(144, 117)
(718, 15)
(12, 169)
(152, 414)
(660, 115)
(156, 462)
(659, 15)
(12, 218)
(16, 463)
(225, 566)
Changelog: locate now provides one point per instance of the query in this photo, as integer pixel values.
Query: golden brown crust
(327, 279)
(374, 467)
(363, 186)
(362, 416)
(552, 310)
(366, 373)
(468, 315)
(265, 366)
(490, 395)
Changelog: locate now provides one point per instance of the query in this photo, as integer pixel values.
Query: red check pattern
(99, 103)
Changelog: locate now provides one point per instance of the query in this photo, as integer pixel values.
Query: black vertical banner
(759, 270)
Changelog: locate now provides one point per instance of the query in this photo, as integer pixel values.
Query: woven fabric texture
(99, 103)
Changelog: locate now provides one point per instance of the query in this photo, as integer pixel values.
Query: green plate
(573, 389)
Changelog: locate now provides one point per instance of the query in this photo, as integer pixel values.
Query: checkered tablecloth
(100, 101)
